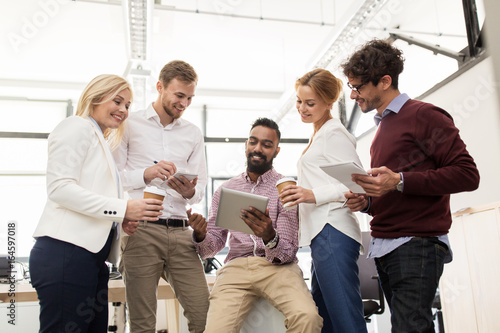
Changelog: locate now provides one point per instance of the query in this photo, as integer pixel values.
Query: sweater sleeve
(437, 137)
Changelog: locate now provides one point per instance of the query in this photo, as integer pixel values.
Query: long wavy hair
(102, 89)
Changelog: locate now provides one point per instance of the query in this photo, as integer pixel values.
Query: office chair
(371, 292)
(210, 264)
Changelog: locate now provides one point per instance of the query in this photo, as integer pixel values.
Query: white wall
(472, 101)
(492, 29)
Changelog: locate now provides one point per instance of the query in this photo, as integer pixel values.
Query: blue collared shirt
(379, 247)
(394, 106)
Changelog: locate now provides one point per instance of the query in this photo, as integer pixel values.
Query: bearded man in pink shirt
(263, 265)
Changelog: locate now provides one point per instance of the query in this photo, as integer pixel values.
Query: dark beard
(261, 168)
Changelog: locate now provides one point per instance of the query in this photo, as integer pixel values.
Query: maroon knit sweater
(422, 142)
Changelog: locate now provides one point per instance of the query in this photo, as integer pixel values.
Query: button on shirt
(379, 247)
(285, 223)
(145, 141)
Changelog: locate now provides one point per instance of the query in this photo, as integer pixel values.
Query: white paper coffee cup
(281, 184)
(154, 192)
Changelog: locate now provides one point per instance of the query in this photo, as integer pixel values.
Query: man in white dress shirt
(157, 144)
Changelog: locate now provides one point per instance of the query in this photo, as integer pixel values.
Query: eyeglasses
(355, 88)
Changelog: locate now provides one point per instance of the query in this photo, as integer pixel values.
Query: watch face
(273, 242)
(399, 187)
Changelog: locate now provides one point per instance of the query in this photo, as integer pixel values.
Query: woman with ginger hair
(331, 230)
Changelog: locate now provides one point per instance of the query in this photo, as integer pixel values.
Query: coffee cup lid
(155, 190)
(285, 179)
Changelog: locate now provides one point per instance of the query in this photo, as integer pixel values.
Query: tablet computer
(343, 171)
(231, 202)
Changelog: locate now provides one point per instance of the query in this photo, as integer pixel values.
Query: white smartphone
(189, 176)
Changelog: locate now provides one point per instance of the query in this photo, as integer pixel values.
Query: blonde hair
(326, 86)
(102, 89)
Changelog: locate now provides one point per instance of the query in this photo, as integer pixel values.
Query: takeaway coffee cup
(280, 185)
(153, 192)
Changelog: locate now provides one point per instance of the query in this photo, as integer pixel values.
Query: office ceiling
(248, 54)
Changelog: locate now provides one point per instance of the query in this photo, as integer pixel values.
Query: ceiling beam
(42, 84)
(79, 86)
(472, 27)
(436, 49)
(23, 135)
(241, 140)
(342, 42)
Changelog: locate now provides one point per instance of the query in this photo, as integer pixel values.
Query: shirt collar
(151, 113)
(95, 122)
(267, 176)
(394, 106)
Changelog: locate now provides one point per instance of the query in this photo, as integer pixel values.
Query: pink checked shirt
(285, 222)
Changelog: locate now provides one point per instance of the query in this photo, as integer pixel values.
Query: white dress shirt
(331, 144)
(146, 141)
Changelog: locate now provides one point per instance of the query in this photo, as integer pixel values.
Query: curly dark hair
(269, 123)
(374, 60)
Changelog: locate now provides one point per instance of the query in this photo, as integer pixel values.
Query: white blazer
(84, 198)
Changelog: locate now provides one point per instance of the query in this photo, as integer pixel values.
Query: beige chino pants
(156, 251)
(242, 281)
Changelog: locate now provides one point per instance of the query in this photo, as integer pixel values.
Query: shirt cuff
(135, 179)
(367, 209)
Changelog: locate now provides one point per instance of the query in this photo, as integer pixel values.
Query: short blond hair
(180, 70)
(102, 89)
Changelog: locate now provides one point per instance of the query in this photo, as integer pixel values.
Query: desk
(24, 292)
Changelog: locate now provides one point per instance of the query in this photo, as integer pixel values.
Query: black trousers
(72, 286)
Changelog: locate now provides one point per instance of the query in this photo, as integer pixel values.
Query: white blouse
(331, 144)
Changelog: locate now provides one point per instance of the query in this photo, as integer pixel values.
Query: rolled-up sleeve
(287, 227)
(216, 237)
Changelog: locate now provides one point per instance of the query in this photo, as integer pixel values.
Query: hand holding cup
(280, 185)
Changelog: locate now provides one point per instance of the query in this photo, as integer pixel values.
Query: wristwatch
(399, 187)
(273, 242)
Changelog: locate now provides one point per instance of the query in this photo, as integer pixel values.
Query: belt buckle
(184, 222)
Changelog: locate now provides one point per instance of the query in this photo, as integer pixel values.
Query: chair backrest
(371, 293)
(367, 272)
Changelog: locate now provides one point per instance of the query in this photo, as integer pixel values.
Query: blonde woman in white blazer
(331, 231)
(85, 212)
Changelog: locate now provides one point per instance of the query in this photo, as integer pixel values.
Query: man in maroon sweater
(417, 161)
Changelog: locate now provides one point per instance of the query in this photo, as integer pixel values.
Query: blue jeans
(409, 277)
(72, 286)
(335, 281)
